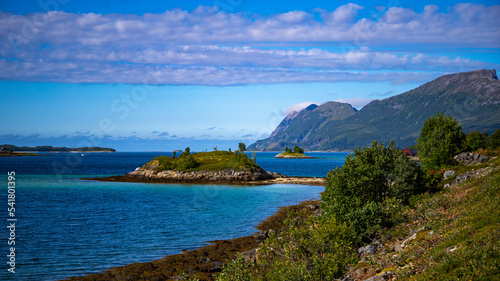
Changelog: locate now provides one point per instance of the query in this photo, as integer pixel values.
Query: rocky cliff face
(288, 119)
(473, 98)
(300, 126)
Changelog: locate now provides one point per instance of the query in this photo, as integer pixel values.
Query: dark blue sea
(67, 227)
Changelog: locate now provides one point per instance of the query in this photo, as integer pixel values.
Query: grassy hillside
(451, 234)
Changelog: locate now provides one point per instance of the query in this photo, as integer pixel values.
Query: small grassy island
(215, 167)
(296, 153)
(224, 167)
(203, 161)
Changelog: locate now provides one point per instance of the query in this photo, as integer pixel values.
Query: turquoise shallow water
(69, 227)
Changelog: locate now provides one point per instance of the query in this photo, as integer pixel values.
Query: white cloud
(180, 47)
(355, 102)
(299, 106)
(345, 14)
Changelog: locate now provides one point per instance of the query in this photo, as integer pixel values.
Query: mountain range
(473, 98)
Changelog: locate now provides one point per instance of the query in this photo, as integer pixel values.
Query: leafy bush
(494, 139)
(297, 149)
(369, 186)
(186, 163)
(242, 147)
(186, 152)
(475, 140)
(236, 270)
(312, 249)
(441, 138)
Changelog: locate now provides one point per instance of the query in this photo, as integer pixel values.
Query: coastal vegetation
(413, 226)
(372, 185)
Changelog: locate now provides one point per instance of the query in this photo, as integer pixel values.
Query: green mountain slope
(298, 127)
(473, 98)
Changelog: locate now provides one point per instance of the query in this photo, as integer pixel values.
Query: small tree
(441, 138)
(242, 147)
(494, 139)
(297, 149)
(370, 186)
(186, 152)
(475, 140)
(173, 155)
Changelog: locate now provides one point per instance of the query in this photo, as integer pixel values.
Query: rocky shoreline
(253, 176)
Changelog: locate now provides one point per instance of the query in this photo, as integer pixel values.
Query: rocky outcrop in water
(252, 174)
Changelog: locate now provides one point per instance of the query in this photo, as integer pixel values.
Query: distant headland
(9, 148)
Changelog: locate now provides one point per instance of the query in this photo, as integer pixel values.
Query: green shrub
(475, 140)
(494, 139)
(441, 138)
(242, 147)
(186, 152)
(370, 181)
(236, 270)
(186, 163)
(297, 149)
(310, 249)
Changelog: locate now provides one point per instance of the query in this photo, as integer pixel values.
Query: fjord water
(70, 227)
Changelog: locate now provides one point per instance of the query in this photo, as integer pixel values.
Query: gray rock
(217, 266)
(250, 255)
(449, 174)
(483, 159)
(468, 158)
(400, 246)
(366, 250)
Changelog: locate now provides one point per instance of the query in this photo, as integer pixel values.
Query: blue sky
(163, 75)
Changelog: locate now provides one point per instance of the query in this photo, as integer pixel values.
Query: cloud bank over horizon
(210, 47)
